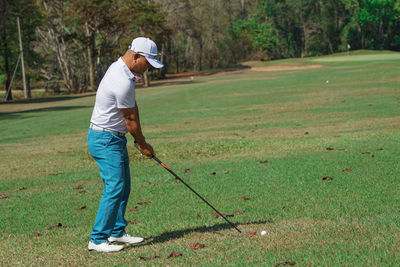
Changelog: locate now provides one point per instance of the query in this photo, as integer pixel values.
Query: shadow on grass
(46, 99)
(17, 114)
(166, 83)
(167, 236)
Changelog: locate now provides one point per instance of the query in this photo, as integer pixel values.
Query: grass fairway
(269, 129)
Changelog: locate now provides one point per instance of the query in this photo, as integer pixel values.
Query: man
(115, 114)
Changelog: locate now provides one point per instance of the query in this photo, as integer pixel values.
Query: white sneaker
(126, 239)
(104, 247)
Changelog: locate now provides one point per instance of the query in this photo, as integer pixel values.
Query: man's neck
(128, 61)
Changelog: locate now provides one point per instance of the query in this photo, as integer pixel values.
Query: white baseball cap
(148, 49)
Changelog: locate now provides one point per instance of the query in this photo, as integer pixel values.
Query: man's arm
(132, 120)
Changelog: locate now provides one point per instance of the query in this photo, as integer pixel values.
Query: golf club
(177, 177)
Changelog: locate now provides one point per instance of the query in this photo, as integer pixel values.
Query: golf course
(305, 149)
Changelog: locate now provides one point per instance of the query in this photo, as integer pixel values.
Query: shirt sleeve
(125, 95)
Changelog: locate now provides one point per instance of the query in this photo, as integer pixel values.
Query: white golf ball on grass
(263, 232)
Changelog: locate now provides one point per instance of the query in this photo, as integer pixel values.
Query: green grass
(223, 122)
(383, 56)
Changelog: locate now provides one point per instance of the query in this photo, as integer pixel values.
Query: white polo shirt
(116, 91)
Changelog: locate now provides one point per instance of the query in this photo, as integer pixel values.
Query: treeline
(68, 45)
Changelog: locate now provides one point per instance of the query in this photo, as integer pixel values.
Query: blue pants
(111, 155)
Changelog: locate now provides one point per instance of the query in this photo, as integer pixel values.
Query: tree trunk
(28, 86)
(21, 49)
(162, 59)
(177, 58)
(64, 67)
(304, 37)
(229, 8)
(28, 77)
(97, 69)
(330, 45)
(6, 52)
(361, 36)
(146, 80)
(90, 39)
(381, 35)
(360, 30)
(200, 54)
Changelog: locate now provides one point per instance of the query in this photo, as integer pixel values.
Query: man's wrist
(140, 141)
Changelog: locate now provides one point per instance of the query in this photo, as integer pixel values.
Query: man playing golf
(115, 114)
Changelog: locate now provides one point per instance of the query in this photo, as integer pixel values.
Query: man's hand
(146, 149)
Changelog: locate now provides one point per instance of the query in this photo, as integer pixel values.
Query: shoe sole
(93, 250)
(125, 242)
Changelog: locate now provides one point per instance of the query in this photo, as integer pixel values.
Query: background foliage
(68, 45)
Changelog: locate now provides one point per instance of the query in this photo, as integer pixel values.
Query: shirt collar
(126, 69)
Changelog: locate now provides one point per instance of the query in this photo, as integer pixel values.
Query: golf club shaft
(177, 177)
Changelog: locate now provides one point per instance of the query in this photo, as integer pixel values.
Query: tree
(30, 18)
(373, 24)
(87, 18)
(261, 34)
(6, 52)
(86, 36)
(147, 19)
(72, 43)
(58, 37)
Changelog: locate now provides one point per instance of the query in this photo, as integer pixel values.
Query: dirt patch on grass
(186, 74)
(285, 67)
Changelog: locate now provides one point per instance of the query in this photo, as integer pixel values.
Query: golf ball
(263, 232)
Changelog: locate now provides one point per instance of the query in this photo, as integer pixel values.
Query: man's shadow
(167, 236)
